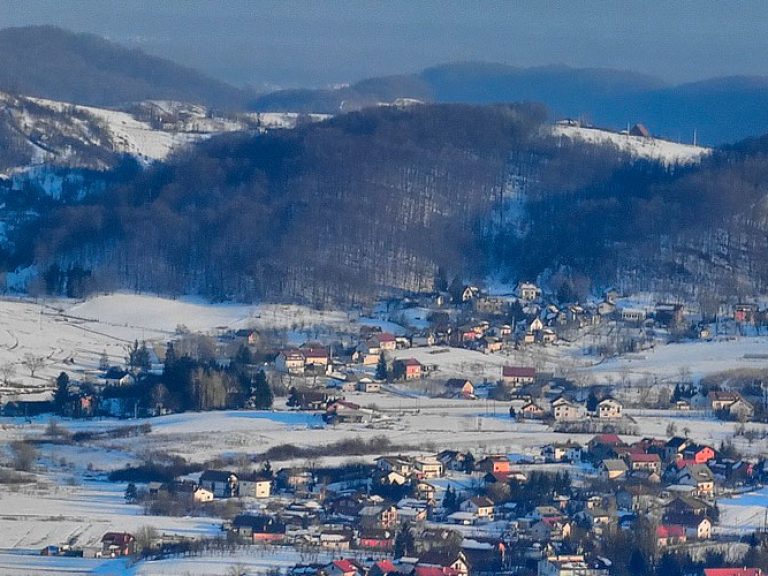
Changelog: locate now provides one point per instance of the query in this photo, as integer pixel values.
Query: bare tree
(7, 371)
(23, 455)
(33, 363)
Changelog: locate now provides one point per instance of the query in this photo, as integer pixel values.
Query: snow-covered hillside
(637, 146)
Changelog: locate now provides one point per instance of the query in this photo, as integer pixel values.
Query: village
(455, 435)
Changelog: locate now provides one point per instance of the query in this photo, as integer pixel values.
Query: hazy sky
(303, 43)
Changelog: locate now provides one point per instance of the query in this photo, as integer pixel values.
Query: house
(258, 528)
(334, 538)
(369, 386)
(315, 357)
(562, 452)
(480, 506)
(528, 292)
(294, 479)
(639, 130)
(342, 568)
(564, 410)
(699, 454)
(744, 313)
(408, 369)
(606, 308)
(650, 463)
(461, 387)
(613, 469)
(378, 517)
(290, 361)
(669, 315)
(200, 495)
(720, 400)
(429, 467)
(547, 336)
(384, 341)
(675, 446)
(306, 399)
(516, 376)
(115, 376)
(493, 464)
(609, 408)
(375, 539)
(222, 483)
(687, 506)
(733, 572)
(452, 460)
(696, 527)
(532, 411)
(700, 477)
(633, 315)
(670, 535)
(397, 464)
(604, 446)
(118, 544)
(255, 485)
(455, 562)
(550, 529)
(571, 565)
(730, 403)
(384, 568)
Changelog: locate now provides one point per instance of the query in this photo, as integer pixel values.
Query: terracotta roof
(345, 565)
(670, 531)
(518, 372)
(732, 572)
(644, 458)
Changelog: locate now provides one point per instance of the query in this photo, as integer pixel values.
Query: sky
(292, 43)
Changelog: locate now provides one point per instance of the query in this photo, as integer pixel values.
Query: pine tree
(381, 368)
(61, 395)
(261, 395)
(170, 358)
(405, 543)
(592, 401)
(131, 493)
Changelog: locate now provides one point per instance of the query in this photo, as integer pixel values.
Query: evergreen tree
(170, 357)
(61, 395)
(243, 358)
(381, 368)
(592, 401)
(450, 501)
(469, 463)
(261, 394)
(131, 493)
(405, 544)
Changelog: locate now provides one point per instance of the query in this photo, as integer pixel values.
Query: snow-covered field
(698, 358)
(71, 335)
(638, 146)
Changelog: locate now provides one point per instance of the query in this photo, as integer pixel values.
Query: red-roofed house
(669, 535)
(342, 568)
(118, 544)
(733, 572)
(408, 368)
(383, 568)
(647, 462)
(517, 375)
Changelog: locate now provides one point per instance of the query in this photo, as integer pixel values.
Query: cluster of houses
(672, 482)
(454, 514)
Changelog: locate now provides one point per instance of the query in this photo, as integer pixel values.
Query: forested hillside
(378, 201)
(720, 110)
(49, 62)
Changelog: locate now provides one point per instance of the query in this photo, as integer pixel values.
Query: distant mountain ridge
(49, 62)
(719, 110)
